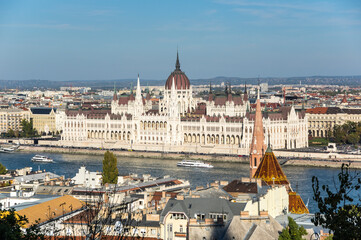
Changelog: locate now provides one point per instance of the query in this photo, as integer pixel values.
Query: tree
(10, 133)
(337, 210)
(10, 227)
(110, 170)
(27, 128)
(292, 231)
(353, 138)
(2, 169)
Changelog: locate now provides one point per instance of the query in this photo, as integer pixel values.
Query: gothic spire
(177, 64)
(115, 93)
(257, 145)
(138, 95)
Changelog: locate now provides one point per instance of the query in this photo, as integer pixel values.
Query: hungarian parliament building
(219, 124)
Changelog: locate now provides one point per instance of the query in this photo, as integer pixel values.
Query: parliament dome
(181, 80)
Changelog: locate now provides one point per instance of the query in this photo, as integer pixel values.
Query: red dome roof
(181, 80)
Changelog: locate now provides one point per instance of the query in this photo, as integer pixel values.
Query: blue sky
(68, 40)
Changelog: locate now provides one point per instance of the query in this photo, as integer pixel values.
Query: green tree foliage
(292, 231)
(337, 210)
(2, 169)
(10, 133)
(10, 227)
(349, 132)
(27, 129)
(353, 138)
(110, 170)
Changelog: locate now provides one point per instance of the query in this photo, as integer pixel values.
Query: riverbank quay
(286, 158)
(317, 159)
(300, 157)
(135, 154)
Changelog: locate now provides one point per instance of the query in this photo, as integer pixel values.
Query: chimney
(47, 177)
(245, 179)
(259, 182)
(105, 198)
(192, 221)
(263, 213)
(244, 214)
(153, 217)
(223, 183)
(180, 197)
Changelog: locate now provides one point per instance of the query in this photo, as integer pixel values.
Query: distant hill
(126, 83)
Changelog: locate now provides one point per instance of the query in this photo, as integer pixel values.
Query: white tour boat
(40, 158)
(192, 163)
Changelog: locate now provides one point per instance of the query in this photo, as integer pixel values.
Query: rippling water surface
(68, 165)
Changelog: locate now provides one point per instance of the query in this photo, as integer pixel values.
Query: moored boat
(192, 163)
(40, 158)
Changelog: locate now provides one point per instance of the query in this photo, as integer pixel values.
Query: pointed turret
(173, 106)
(210, 95)
(229, 97)
(177, 64)
(270, 170)
(344, 100)
(180, 78)
(138, 92)
(245, 94)
(138, 105)
(257, 146)
(115, 94)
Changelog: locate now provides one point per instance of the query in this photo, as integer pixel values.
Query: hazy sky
(67, 40)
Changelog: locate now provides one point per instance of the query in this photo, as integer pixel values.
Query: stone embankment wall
(295, 158)
(319, 159)
(318, 155)
(137, 154)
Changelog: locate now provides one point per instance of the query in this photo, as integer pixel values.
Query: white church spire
(138, 92)
(173, 100)
(138, 103)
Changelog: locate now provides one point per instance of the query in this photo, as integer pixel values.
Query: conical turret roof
(270, 170)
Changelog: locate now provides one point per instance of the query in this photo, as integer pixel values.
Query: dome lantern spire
(177, 64)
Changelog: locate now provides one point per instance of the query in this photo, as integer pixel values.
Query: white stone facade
(227, 130)
(88, 179)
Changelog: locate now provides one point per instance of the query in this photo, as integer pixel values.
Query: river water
(68, 165)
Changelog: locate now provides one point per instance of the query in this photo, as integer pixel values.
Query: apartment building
(11, 119)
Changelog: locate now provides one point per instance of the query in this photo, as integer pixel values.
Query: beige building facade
(11, 119)
(44, 119)
(321, 120)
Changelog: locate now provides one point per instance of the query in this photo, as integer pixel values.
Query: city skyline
(70, 40)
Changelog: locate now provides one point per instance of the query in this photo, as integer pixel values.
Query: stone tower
(257, 146)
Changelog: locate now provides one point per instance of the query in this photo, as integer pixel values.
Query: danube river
(68, 165)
